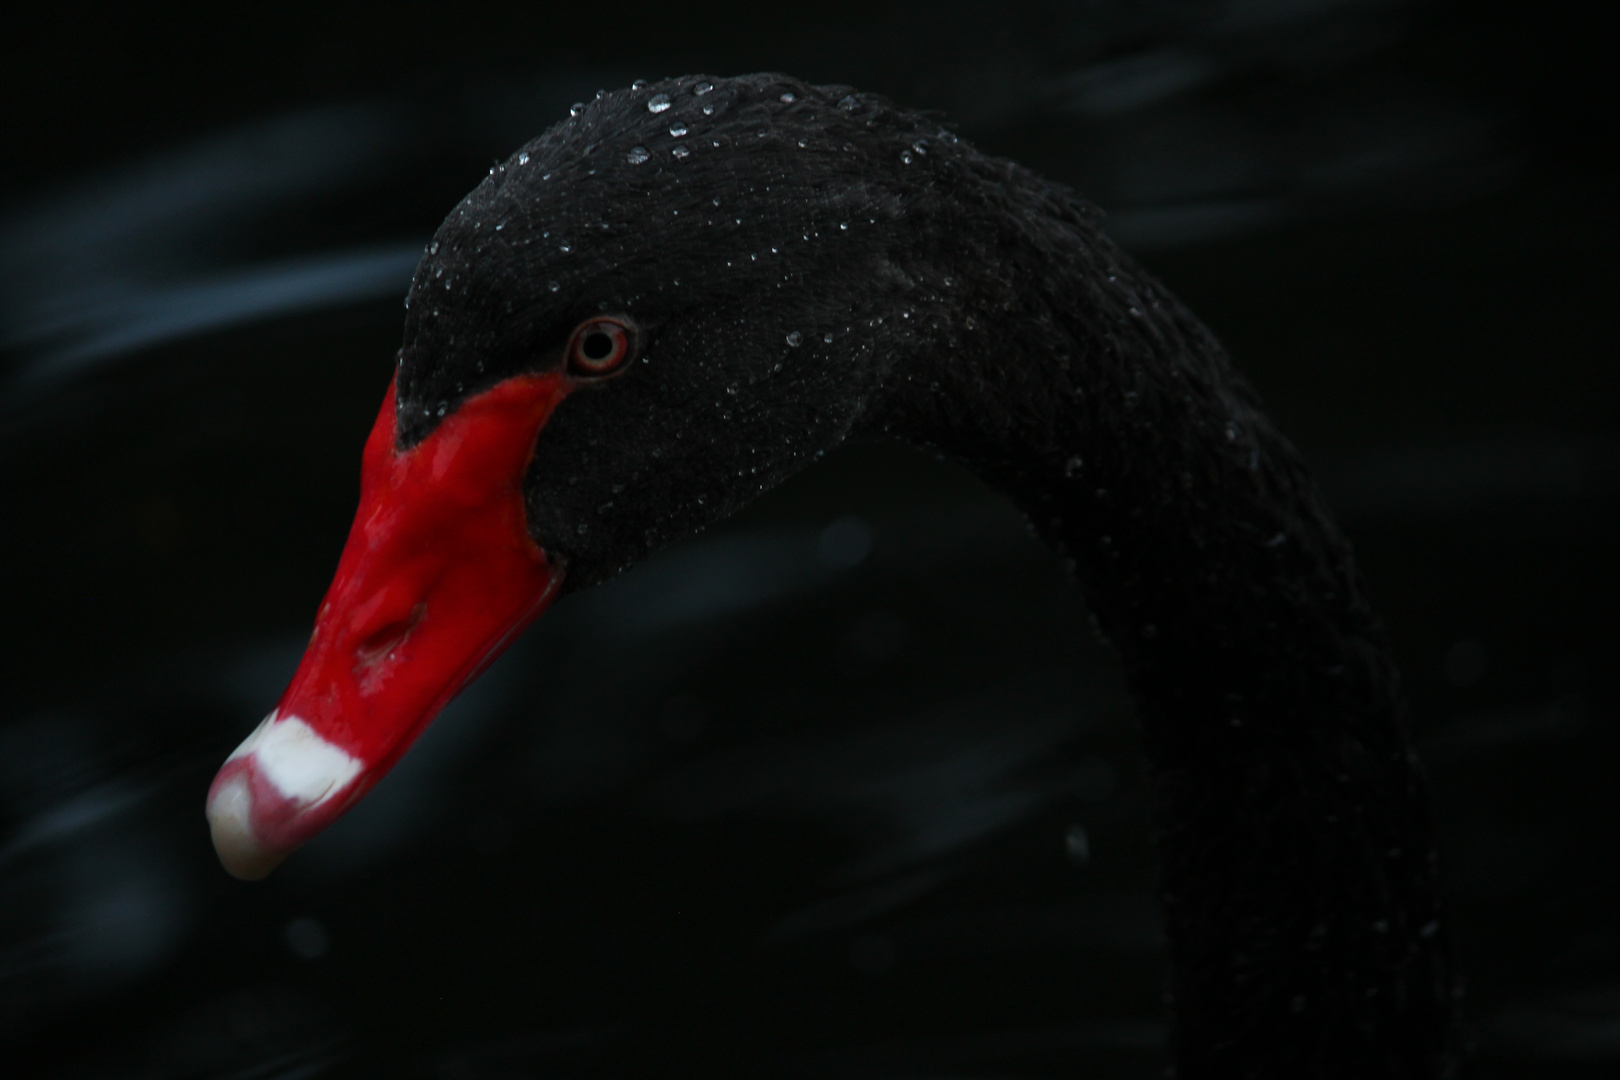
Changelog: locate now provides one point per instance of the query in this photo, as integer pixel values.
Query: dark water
(845, 787)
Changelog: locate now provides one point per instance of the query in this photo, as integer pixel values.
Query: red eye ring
(599, 346)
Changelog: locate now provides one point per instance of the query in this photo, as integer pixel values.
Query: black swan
(690, 290)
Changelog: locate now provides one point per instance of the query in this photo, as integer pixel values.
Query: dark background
(843, 787)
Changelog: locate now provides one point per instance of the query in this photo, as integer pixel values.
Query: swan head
(763, 245)
(660, 308)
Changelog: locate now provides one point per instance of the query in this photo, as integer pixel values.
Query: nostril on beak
(384, 640)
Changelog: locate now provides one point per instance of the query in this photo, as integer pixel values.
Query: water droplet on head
(638, 84)
(905, 157)
(582, 528)
(702, 88)
(553, 286)
(795, 339)
(843, 226)
(708, 110)
(637, 155)
(827, 337)
(658, 103)
(433, 248)
(677, 129)
(565, 248)
(523, 158)
(576, 108)
(680, 152)
(788, 99)
(921, 146)
(1071, 468)
(848, 103)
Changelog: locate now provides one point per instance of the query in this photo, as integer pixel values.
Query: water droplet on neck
(680, 152)
(523, 158)
(702, 88)
(827, 337)
(565, 248)
(637, 155)
(1071, 468)
(795, 339)
(905, 157)
(677, 129)
(553, 286)
(576, 108)
(658, 103)
(848, 103)
(921, 146)
(638, 84)
(708, 110)
(788, 99)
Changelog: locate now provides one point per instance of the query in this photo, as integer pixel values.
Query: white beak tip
(230, 820)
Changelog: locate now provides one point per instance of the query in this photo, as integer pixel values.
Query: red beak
(439, 575)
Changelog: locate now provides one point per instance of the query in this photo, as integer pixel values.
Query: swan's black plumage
(808, 265)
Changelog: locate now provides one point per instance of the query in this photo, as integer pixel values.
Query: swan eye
(599, 346)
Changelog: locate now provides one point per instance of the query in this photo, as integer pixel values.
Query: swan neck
(1299, 884)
